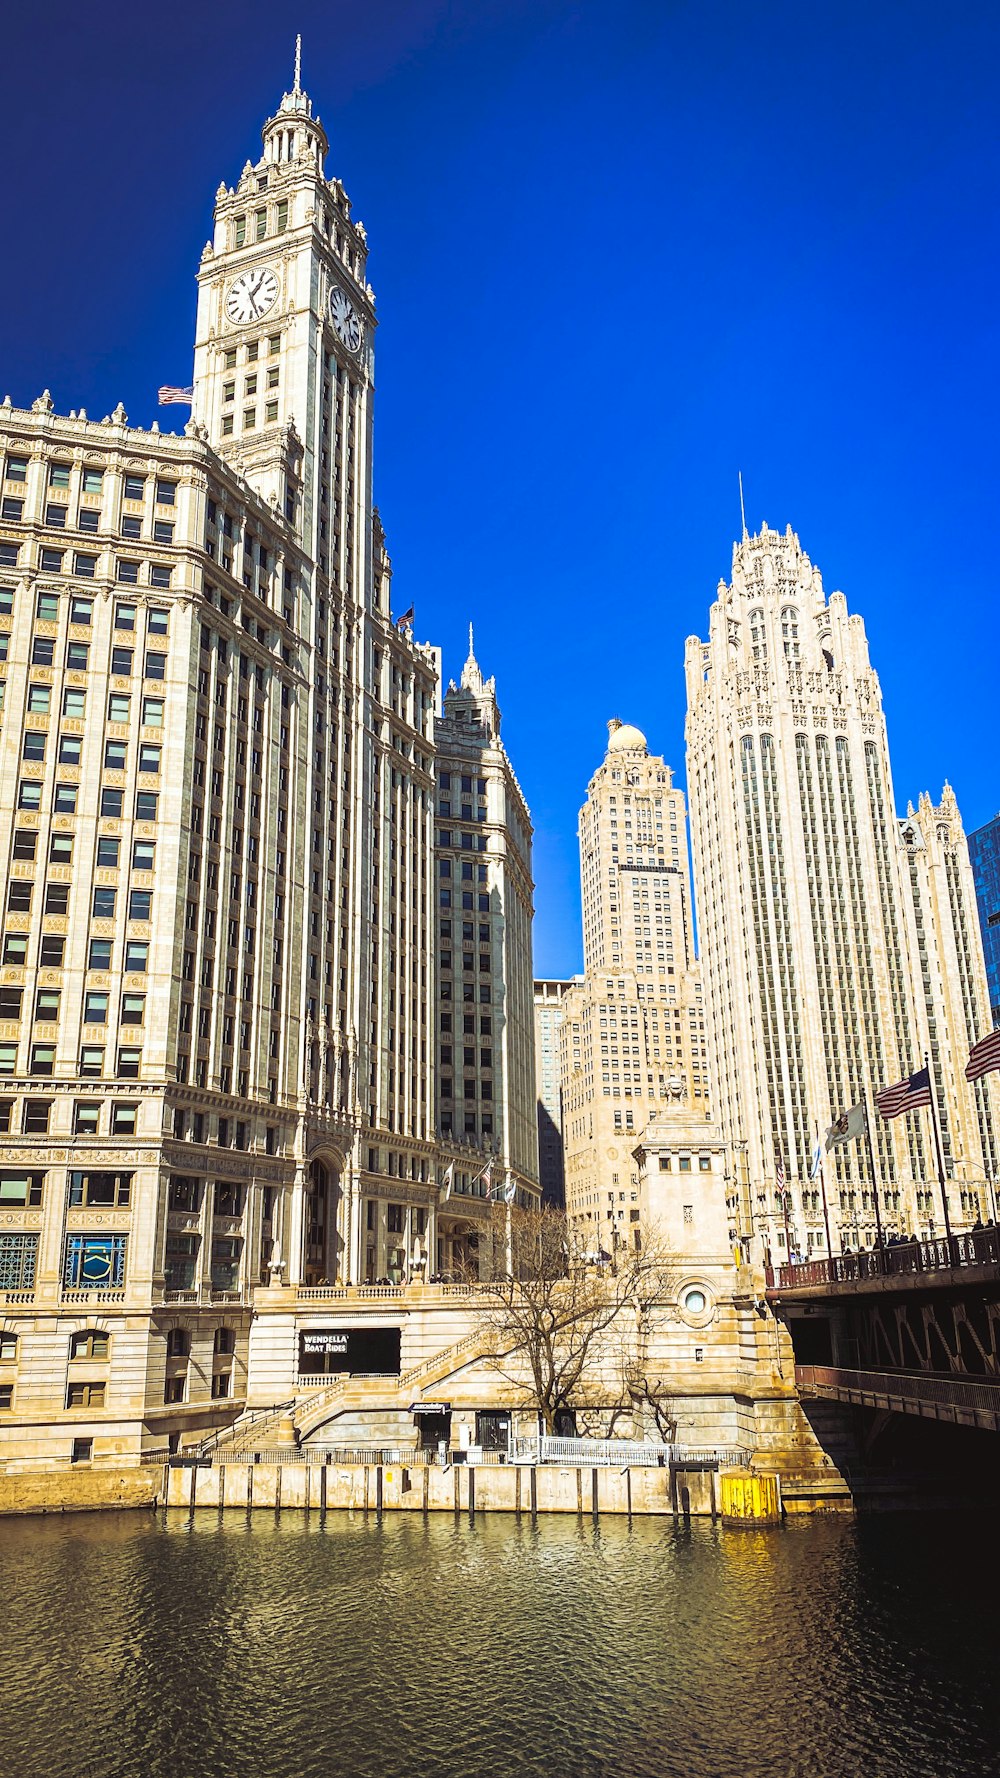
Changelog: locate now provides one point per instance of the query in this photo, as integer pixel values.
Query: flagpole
(940, 1153)
(871, 1163)
(826, 1207)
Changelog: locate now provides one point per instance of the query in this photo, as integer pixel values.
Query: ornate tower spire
(297, 87)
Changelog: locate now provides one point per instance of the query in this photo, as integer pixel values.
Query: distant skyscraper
(984, 851)
(633, 1035)
(838, 944)
(549, 998)
(484, 1014)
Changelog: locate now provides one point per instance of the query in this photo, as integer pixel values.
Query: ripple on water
(295, 1648)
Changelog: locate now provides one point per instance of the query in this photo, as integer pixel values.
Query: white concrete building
(830, 933)
(217, 1044)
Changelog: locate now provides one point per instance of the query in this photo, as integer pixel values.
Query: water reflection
(291, 1647)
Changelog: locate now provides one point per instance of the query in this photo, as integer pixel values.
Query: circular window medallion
(695, 1302)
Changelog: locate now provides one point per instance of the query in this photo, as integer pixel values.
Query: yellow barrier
(746, 1499)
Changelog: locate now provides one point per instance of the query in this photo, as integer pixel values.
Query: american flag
(984, 1056)
(407, 618)
(170, 394)
(780, 1175)
(906, 1095)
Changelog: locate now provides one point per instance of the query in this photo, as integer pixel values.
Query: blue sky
(620, 251)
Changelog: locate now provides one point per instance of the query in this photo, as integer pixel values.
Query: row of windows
(92, 481)
(74, 703)
(81, 611)
(35, 1114)
(88, 518)
(43, 1059)
(52, 561)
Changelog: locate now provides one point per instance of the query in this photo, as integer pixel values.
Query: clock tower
(284, 339)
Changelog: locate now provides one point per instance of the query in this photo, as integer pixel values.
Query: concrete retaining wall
(79, 1490)
(428, 1488)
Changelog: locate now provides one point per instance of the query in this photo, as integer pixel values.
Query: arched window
(178, 1342)
(91, 1342)
(225, 1340)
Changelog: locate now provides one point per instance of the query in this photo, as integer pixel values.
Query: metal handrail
(975, 1247)
(915, 1386)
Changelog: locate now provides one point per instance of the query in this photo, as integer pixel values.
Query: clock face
(251, 295)
(346, 324)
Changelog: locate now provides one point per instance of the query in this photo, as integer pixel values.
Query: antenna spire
(743, 513)
(297, 88)
(471, 649)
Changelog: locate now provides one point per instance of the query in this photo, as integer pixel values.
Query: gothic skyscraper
(828, 929)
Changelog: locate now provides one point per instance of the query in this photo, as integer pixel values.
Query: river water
(134, 1646)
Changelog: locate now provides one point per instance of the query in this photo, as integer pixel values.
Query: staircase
(348, 1396)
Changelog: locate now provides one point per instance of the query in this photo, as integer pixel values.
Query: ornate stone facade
(217, 1053)
(633, 1031)
(837, 943)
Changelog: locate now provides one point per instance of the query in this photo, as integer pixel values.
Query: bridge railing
(976, 1247)
(880, 1388)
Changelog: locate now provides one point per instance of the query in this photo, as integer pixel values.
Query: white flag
(817, 1160)
(848, 1127)
(449, 1179)
(510, 1192)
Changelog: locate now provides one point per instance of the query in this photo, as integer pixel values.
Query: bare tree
(570, 1327)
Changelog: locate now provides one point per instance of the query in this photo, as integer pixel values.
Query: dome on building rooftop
(623, 738)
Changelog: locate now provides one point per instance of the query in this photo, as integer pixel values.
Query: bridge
(906, 1329)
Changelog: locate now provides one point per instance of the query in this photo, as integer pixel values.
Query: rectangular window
(84, 567)
(11, 511)
(91, 1058)
(104, 904)
(163, 531)
(149, 758)
(85, 1395)
(43, 1059)
(281, 217)
(76, 657)
(139, 904)
(145, 808)
(156, 666)
(81, 611)
(35, 1117)
(118, 707)
(129, 1063)
(39, 699)
(111, 804)
(136, 956)
(143, 853)
(51, 561)
(124, 617)
(107, 853)
(86, 1117)
(100, 954)
(123, 1119)
(88, 519)
(92, 481)
(15, 948)
(10, 1003)
(166, 493)
(17, 469)
(55, 517)
(47, 1006)
(9, 553)
(70, 749)
(61, 848)
(24, 1189)
(59, 475)
(152, 712)
(64, 799)
(157, 619)
(74, 703)
(159, 574)
(115, 753)
(121, 662)
(135, 487)
(95, 1009)
(100, 1191)
(133, 1009)
(128, 571)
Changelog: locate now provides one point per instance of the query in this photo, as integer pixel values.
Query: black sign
(375, 1350)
